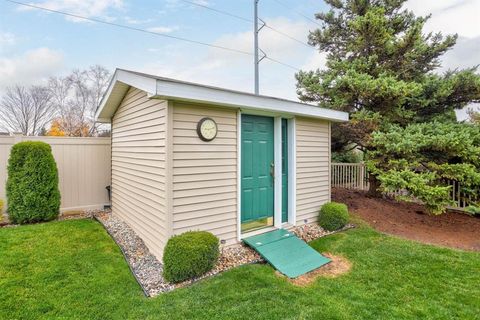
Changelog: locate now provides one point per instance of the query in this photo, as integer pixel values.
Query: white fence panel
(84, 169)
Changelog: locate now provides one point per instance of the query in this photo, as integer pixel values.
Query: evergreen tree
(424, 159)
(381, 69)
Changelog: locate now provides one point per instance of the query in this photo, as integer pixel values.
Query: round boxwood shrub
(333, 216)
(32, 183)
(189, 255)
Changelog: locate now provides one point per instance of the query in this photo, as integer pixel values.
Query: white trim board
(170, 89)
(239, 175)
(277, 180)
(292, 172)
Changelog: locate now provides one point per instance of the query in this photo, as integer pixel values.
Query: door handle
(272, 171)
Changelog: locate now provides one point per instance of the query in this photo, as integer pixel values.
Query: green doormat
(286, 253)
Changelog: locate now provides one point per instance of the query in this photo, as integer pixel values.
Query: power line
(146, 31)
(297, 12)
(129, 27)
(288, 36)
(218, 11)
(248, 20)
(282, 63)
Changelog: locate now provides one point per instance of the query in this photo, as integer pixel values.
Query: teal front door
(257, 172)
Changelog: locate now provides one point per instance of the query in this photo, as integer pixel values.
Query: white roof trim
(169, 89)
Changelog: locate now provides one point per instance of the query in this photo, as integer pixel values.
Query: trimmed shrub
(189, 255)
(1, 206)
(32, 184)
(333, 216)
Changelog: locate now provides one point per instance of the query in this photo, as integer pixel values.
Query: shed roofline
(170, 89)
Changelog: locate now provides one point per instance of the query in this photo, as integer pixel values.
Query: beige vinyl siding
(139, 167)
(204, 173)
(313, 167)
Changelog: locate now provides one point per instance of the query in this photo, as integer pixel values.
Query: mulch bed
(411, 220)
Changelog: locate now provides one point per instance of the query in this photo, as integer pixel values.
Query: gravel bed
(144, 265)
(310, 232)
(148, 270)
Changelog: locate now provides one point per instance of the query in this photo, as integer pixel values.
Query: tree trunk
(374, 185)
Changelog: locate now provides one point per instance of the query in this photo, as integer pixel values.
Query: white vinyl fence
(84, 169)
(350, 176)
(355, 176)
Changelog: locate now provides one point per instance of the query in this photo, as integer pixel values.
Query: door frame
(277, 193)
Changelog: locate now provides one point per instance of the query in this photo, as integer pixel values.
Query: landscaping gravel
(310, 232)
(148, 270)
(144, 265)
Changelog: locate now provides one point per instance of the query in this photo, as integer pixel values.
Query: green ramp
(286, 253)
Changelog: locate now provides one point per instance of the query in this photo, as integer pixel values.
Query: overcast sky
(36, 44)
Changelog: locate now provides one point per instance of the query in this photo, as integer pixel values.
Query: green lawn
(72, 269)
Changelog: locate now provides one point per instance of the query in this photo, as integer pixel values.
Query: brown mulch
(338, 266)
(411, 220)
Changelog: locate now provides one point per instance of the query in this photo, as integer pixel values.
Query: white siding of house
(313, 167)
(139, 167)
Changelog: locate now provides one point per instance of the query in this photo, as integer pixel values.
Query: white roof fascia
(119, 85)
(169, 89)
(175, 90)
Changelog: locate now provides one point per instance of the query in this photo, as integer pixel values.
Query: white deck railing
(460, 198)
(355, 176)
(350, 176)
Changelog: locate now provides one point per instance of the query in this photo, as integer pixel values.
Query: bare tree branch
(70, 100)
(26, 110)
(76, 96)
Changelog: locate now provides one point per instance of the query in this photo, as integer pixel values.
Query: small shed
(187, 156)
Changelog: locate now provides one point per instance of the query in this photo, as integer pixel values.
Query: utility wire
(248, 20)
(146, 31)
(217, 10)
(297, 12)
(282, 63)
(287, 36)
(129, 27)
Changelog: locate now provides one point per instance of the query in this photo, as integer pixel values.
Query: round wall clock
(207, 129)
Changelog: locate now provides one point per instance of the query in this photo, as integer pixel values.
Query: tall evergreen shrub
(32, 184)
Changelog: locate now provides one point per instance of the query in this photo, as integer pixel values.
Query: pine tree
(382, 69)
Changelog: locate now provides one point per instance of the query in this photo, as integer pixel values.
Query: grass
(72, 269)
